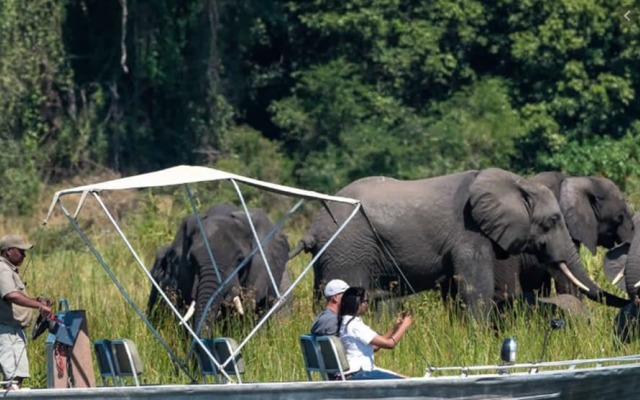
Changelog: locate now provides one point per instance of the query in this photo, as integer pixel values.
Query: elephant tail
(306, 243)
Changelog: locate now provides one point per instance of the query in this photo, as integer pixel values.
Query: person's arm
(395, 326)
(23, 300)
(394, 335)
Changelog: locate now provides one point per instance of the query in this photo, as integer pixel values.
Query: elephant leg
(448, 289)
(627, 323)
(474, 276)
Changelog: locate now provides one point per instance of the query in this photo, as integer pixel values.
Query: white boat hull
(609, 382)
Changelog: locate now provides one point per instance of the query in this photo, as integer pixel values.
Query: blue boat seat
(118, 358)
(333, 356)
(221, 349)
(311, 357)
(106, 362)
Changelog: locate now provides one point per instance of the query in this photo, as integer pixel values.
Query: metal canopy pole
(205, 238)
(121, 288)
(293, 285)
(153, 281)
(255, 235)
(239, 267)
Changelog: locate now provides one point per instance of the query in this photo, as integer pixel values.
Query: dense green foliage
(328, 91)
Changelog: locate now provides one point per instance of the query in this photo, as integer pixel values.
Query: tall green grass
(61, 266)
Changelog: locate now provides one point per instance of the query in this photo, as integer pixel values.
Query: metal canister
(508, 350)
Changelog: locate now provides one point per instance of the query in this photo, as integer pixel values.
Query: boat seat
(106, 362)
(333, 356)
(311, 357)
(222, 349)
(128, 362)
(207, 367)
(118, 358)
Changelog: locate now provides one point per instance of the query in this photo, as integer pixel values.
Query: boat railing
(531, 367)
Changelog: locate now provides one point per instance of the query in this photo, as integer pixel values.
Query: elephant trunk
(632, 269)
(207, 285)
(578, 273)
(632, 264)
(305, 244)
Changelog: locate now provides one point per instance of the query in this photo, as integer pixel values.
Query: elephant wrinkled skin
(453, 226)
(626, 259)
(596, 214)
(185, 269)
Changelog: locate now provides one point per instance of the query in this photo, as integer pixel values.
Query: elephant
(625, 260)
(596, 214)
(436, 229)
(185, 269)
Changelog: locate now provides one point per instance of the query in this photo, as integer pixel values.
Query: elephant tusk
(565, 270)
(637, 284)
(618, 277)
(189, 313)
(238, 304)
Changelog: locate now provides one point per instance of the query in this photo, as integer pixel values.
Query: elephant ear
(614, 262)
(243, 221)
(551, 179)
(500, 205)
(576, 197)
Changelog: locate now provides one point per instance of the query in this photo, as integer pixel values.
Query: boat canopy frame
(185, 175)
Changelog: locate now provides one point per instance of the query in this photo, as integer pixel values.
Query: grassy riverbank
(61, 266)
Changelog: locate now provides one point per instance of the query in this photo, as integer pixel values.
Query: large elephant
(185, 269)
(452, 226)
(625, 259)
(596, 214)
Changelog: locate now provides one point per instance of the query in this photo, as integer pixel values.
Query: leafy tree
(32, 67)
(477, 128)
(570, 64)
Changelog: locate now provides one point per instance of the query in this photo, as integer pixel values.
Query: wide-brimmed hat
(334, 287)
(14, 241)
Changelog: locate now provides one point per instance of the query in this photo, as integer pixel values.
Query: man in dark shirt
(326, 322)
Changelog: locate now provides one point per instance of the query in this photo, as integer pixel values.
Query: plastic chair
(127, 359)
(333, 356)
(106, 362)
(207, 367)
(312, 359)
(224, 348)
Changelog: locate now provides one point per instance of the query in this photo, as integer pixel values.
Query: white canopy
(183, 174)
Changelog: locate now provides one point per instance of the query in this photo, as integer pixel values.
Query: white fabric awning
(184, 174)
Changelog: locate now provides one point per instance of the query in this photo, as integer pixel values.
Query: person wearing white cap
(326, 323)
(15, 311)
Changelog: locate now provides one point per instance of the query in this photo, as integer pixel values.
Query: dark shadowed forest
(316, 93)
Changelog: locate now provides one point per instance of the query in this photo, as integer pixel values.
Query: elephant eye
(550, 222)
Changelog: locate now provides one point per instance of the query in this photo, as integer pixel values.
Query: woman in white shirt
(360, 341)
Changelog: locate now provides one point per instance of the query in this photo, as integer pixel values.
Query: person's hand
(44, 310)
(402, 317)
(45, 300)
(407, 318)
